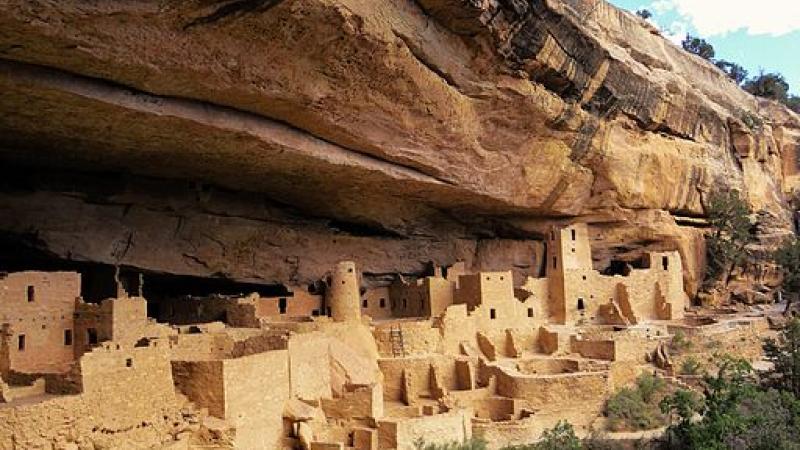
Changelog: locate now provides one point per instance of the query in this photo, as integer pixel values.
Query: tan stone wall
(538, 391)
(202, 383)
(300, 304)
(35, 336)
(309, 362)
(343, 295)
(418, 369)
(127, 401)
(419, 337)
(376, 303)
(128, 318)
(438, 429)
(256, 389)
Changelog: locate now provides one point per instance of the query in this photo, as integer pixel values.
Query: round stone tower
(343, 295)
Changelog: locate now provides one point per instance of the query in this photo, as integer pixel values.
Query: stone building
(37, 330)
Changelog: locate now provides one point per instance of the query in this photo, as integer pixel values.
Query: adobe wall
(456, 327)
(419, 337)
(202, 383)
(120, 374)
(256, 388)
(418, 370)
(376, 303)
(192, 310)
(539, 391)
(309, 364)
(300, 304)
(127, 401)
(343, 294)
(437, 429)
(57, 421)
(35, 338)
(128, 318)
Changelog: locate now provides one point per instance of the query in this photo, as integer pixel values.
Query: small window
(405, 303)
(665, 262)
(315, 313)
(584, 277)
(501, 278)
(364, 303)
(552, 235)
(91, 336)
(530, 312)
(282, 305)
(349, 270)
(31, 294)
(343, 281)
(67, 337)
(21, 342)
(573, 250)
(581, 306)
(573, 234)
(488, 278)
(492, 313)
(383, 303)
(329, 311)
(129, 362)
(555, 262)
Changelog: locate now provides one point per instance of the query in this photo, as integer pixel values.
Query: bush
(768, 85)
(472, 444)
(560, 437)
(690, 366)
(679, 343)
(637, 409)
(734, 71)
(698, 46)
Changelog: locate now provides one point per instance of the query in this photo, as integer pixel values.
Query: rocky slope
(261, 140)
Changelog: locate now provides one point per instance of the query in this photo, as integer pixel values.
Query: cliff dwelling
(338, 224)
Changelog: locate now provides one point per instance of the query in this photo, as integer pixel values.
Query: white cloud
(676, 31)
(715, 17)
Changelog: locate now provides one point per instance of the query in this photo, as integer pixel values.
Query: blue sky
(758, 35)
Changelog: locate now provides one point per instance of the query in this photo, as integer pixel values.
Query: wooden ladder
(396, 338)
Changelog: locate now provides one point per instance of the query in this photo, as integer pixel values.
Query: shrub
(768, 85)
(698, 46)
(734, 71)
(679, 342)
(636, 409)
(560, 437)
(472, 444)
(644, 14)
(690, 366)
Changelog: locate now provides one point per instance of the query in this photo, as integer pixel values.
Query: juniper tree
(726, 246)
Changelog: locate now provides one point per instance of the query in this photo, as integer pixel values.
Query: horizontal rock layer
(447, 129)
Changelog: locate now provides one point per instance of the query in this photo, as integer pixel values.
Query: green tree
(788, 258)
(793, 102)
(784, 354)
(560, 437)
(644, 14)
(698, 46)
(726, 246)
(734, 71)
(768, 85)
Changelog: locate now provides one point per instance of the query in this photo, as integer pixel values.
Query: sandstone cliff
(262, 140)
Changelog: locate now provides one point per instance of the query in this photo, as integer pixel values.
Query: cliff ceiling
(263, 140)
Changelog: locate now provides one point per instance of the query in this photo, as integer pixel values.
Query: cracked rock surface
(262, 140)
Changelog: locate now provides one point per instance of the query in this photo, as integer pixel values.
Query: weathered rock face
(392, 132)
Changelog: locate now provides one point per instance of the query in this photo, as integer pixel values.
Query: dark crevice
(363, 229)
(110, 91)
(417, 53)
(233, 9)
